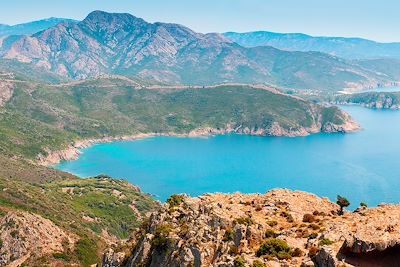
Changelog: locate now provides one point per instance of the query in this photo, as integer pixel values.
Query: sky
(373, 19)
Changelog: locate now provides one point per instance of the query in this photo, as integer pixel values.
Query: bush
(308, 218)
(325, 242)
(297, 252)
(270, 234)
(343, 203)
(288, 216)
(258, 263)
(272, 223)
(364, 205)
(274, 248)
(174, 200)
(228, 236)
(246, 221)
(161, 240)
(86, 250)
(239, 262)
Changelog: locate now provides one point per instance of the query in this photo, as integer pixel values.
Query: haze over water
(363, 166)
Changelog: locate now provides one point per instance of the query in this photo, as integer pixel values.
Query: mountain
(350, 48)
(31, 27)
(163, 53)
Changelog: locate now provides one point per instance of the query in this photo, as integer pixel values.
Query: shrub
(246, 221)
(325, 242)
(60, 256)
(364, 205)
(270, 233)
(161, 240)
(313, 236)
(86, 250)
(308, 218)
(297, 252)
(274, 248)
(314, 226)
(174, 200)
(1, 243)
(272, 223)
(258, 263)
(343, 203)
(239, 262)
(228, 236)
(288, 216)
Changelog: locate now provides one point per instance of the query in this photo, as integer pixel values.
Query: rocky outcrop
(6, 91)
(374, 100)
(218, 229)
(23, 235)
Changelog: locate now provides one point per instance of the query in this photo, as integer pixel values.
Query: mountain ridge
(346, 47)
(122, 44)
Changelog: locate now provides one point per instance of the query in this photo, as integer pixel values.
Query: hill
(376, 100)
(52, 218)
(163, 53)
(37, 119)
(349, 48)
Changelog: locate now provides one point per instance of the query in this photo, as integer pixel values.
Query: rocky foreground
(280, 228)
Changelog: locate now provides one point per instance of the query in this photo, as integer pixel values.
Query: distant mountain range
(31, 27)
(122, 44)
(350, 48)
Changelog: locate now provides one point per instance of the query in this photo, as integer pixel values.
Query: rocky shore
(279, 228)
(72, 151)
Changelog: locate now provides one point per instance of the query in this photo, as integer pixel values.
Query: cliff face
(375, 100)
(280, 228)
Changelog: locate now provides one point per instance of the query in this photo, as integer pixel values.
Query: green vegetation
(325, 242)
(274, 248)
(86, 250)
(174, 200)
(385, 100)
(245, 221)
(258, 263)
(84, 207)
(270, 233)
(272, 223)
(364, 205)
(161, 240)
(239, 262)
(228, 235)
(343, 203)
(42, 117)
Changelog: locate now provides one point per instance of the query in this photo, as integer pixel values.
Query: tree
(343, 203)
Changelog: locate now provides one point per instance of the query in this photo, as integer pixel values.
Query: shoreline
(73, 150)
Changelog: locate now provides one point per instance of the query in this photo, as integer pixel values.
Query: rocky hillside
(50, 218)
(280, 228)
(122, 44)
(377, 100)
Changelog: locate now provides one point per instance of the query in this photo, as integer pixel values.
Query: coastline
(73, 150)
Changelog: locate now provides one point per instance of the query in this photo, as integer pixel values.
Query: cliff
(280, 228)
(375, 100)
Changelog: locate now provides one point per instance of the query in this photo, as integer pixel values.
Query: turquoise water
(363, 166)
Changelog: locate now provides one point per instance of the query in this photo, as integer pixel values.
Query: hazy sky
(373, 19)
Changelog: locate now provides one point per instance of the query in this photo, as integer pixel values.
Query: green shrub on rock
(274, 248)
(174, 200)
(239, 262)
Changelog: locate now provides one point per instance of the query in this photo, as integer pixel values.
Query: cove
(363, 166)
